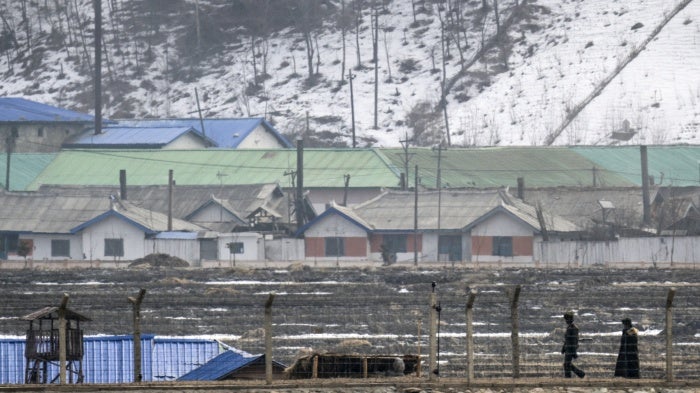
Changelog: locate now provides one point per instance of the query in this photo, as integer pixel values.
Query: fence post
(433, 335)
(268, 339)
(136, 313)
(470, 335)
(418, 366)
(514, 332)
(62, 339)
(669, 334)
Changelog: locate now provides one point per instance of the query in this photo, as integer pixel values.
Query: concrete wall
(39, 137)
(634, 252)
(284, 250)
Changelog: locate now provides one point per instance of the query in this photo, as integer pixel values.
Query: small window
(60, 248)
(114, 247)
(503, 246)
(235, 247)
(40, 132)
(9, 242)
(335, 247)
(395, 243)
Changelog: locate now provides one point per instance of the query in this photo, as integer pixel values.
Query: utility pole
(300, 184)
(170, 200)
(438, 185)
(9, 146)
(98, 66)
(199, 110)
(404, 143)
(415, 220)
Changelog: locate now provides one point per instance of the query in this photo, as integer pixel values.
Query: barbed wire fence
(463, 327)
(508, 333)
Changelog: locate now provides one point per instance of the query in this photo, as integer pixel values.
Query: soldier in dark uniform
(627, 365)
(570, 348)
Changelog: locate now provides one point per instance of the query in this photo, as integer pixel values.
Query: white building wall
(501, 225)
(42, 247)
(253, 246)
(335, 226)
(260, 138)
(93, 239)
(187, 141)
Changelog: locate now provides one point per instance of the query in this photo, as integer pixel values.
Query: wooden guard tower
(43, 345)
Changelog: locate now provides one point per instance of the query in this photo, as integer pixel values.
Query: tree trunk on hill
(357, 8)
(498, 20)
(375, 60)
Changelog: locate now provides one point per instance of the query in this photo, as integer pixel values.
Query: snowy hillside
(565, 72)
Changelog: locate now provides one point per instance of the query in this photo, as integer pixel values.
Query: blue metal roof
(221, 366)
(134, 137)
(174, 357)
(109, 359)
(20, 110)
(227, 133)
(176, 235)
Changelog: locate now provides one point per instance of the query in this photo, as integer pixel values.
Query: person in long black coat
(627, 365)
(570, 348)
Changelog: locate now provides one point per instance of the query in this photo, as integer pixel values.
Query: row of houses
(213, 190)
(36, 127)
(256, 223)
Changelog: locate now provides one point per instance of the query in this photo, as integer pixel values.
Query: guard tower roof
(51, 312)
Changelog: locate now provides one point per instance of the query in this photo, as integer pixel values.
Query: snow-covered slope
(567, 74)
(585, 43)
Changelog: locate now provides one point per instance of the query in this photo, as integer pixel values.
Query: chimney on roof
(645, 185)
(122, 184)
(521, 188)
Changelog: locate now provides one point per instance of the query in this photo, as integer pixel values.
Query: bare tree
(306, 22)
(386, 52)
(375, 60)
(357, 11)
(344, 21)
(498, 20)
(443, 80)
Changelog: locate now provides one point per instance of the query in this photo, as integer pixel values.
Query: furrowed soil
(386, 311)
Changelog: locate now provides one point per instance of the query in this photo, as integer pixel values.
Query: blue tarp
(109, 359)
